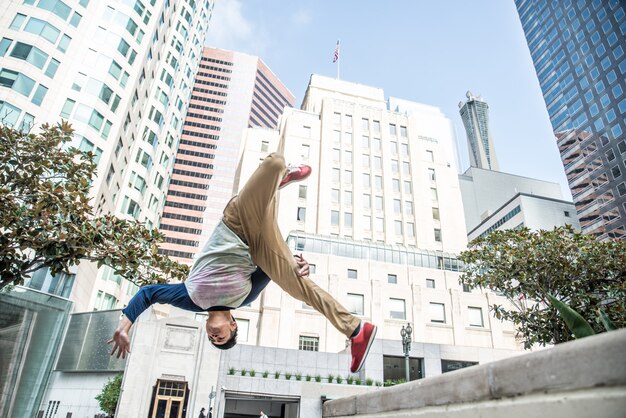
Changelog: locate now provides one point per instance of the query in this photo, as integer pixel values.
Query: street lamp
(406, 346)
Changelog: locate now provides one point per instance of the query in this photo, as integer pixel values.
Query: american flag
(336, 55)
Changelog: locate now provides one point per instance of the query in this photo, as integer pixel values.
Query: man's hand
(303, 266)
(120, 339)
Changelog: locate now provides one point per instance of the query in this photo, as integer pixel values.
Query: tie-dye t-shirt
(220, 275)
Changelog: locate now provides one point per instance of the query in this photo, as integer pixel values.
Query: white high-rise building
(122, 73)
(475, 115)
(380, 219)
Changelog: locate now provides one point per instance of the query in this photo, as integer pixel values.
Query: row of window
(23, 85)
(365, 125)
(373, 251)
(10, 115)
(30, 54)
(42, 29)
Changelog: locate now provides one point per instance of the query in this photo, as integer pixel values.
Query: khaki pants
(252, 215)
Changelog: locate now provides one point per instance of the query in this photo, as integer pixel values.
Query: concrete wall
(582, 378)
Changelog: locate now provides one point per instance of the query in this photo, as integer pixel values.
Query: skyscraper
(121, 72)
(475, 115)
(579, 52)
(232, 91)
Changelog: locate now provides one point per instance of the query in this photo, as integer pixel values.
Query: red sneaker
(295, 174)
(361, 345)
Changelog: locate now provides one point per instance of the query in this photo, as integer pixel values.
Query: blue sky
(428, 51)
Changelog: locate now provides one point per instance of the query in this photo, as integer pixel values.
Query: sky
(426, 51)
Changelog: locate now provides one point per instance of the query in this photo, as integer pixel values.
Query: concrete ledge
(592, 362)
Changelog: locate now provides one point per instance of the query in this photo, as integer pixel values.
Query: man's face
(221, 332)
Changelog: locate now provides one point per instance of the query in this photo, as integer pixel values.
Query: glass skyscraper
(579, 51)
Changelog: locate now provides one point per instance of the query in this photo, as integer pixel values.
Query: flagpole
(338, 60)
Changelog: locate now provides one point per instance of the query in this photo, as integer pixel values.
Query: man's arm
(120, 338)
(172, 294)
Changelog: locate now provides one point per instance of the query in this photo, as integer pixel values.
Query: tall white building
(475, 115)
(122, 73)
(381, 220)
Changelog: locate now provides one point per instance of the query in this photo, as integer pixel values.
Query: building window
(307, 343)
(475, 316)
(392, 278)
(379, 225)
(355, 303)
(437, 313)
(243, 328)
(466, 288)
(451, 365)
(352, 274)
(392, 129)
(430, 283)
(410, 229)
(367, 201)
(334, 218)
(431, 174)
(379, 203)
(616, 172)
(334, 196)
(301, 214)
(302, 192)
(403, 132)
(397, 225)
(407, 187)
(336, 155)
(394, 368)
(307, 131)
(396, 185)
(397, 309)
(433, 194)
(408, 208)
(437, 235)
(436, 214)
(265, 145)
(365, 124)
(312, 268)
(621, 189)
(347, 198)
(335, 175)
(347, 219)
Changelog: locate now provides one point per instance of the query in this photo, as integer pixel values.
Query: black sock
(356, 331)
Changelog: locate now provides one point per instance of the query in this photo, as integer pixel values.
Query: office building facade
(232, 91)
(496, 200)
(121, 72)
(475, 115)
(579, 52)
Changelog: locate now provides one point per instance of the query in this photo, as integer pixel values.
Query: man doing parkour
(244, 252)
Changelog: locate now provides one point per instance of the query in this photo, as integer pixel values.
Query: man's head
(221, 328)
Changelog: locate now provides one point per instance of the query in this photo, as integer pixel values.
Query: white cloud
(230, 29)
(301, 18)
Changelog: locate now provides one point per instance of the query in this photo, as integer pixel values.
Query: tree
(46, 218)
(110, 395)
(524, 266)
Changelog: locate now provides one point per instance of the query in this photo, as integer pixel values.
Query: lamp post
(406, 346)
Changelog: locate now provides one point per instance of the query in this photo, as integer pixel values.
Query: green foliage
(265, 374)
(349, 379)
(330, 377)
(339, 379)
(525, 267)
(369, 381)
(276, 375)
(606, 321)
(575, 323)
(393, 382)
(287, 375)
(318, 378)
(46, 217)
(298, 376)
(252, 373)
(358, 381)
(307, 378)
(231, 370)
(244, 372)
(110, 395)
